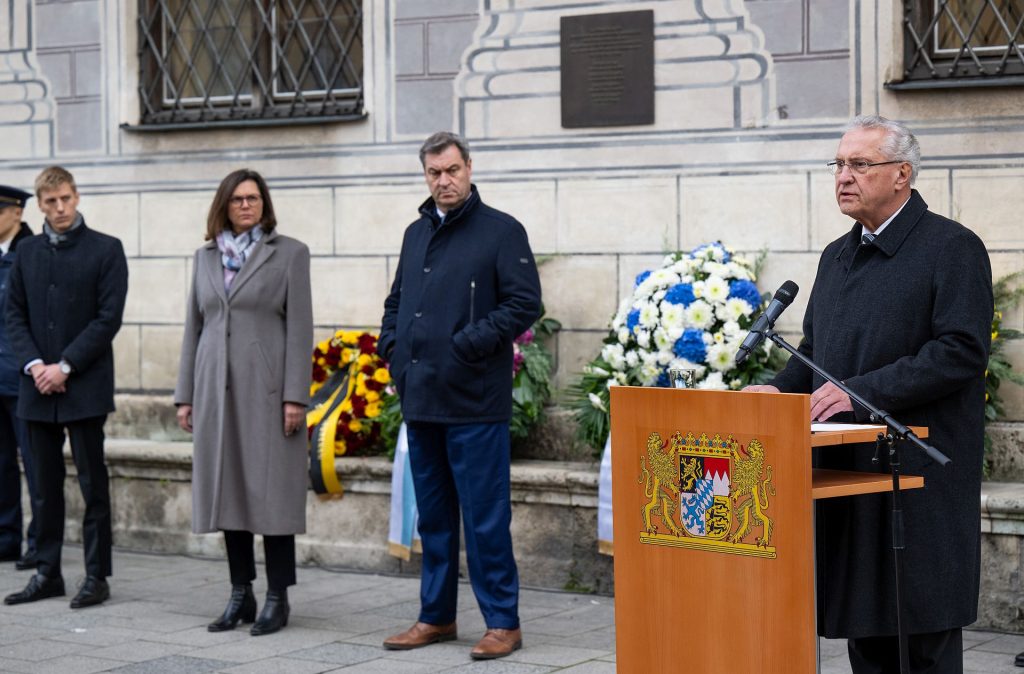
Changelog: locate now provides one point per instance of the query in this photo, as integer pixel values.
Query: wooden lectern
(713, 526)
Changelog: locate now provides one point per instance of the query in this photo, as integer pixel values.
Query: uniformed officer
(13, 433)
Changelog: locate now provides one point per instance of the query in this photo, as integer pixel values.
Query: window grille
(249, 61)
(962, 43)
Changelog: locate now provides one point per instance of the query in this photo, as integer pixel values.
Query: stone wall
(553, 523)
(737, 158)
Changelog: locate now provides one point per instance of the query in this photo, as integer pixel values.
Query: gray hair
(899, 144)
(441, 141)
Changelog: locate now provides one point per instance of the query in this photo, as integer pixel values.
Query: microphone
(784, 296)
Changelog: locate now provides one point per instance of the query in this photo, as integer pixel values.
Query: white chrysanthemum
(648, 357)
(649, 373)
(718, 337)
(615, 356)
(663, 278)
(596, 401)
(665, 357)
(599, 371)
(698, 289)
(675, 331)
(721, 357)
(659, 295)
(649, 315)
(735, 308)
(623, 335)
(735, 384)
(740, 268)
(732, 330)
(700, 315)
(712, 268)
(672, 315)
(662, 341)
(620, 378)
(644, 290)
(643, 338)
(713, 381)
(632, 358)
(685, 267)
(716, 289)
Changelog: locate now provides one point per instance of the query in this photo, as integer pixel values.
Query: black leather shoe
(274, 615)
(26, 562)
(241, 607)
(39, 587)
(94, 591)
(1019, 660)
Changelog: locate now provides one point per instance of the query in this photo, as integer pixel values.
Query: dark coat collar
(23, 233)
(71, 236)
(428, 209)
(893, 236)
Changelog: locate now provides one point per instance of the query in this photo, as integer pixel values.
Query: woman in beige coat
(243, 387)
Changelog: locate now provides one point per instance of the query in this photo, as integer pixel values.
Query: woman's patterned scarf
(235, 250)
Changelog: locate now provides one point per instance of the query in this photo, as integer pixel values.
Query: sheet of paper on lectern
(819, 426)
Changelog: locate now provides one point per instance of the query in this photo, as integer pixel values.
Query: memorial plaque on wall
(608, 69)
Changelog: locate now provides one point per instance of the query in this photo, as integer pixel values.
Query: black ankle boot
(241, 607)
(274, 615)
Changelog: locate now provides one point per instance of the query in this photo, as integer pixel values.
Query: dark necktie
(867, 239)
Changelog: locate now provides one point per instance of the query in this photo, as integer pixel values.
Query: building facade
(151, 102)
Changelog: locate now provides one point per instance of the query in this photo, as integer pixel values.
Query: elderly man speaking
(901, 311)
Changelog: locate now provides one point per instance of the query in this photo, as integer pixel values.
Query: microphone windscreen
(787, 293)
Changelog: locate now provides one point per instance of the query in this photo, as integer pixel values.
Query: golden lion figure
(659, 485)
(748, 486)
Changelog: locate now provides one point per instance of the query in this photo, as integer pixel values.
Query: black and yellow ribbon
(326, 408)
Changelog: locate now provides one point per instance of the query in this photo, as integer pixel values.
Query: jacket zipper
(472, 298)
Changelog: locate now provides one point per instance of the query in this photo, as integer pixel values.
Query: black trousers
(931, 653)
(278, 551)
(14, 436)
(47, 443)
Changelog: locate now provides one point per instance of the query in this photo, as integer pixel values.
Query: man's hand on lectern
(760, 388)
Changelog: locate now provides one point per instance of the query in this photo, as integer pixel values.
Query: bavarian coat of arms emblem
(707, 493)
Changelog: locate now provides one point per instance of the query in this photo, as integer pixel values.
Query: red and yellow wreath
(349, 382)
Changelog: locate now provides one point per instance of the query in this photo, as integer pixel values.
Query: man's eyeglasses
(857, 165)
(250, 200)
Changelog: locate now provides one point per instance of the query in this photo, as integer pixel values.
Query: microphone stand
(894, 431)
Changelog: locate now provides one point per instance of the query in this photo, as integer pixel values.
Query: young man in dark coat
(13, 433)
(465, 287)
(66, 297)
(901, 311)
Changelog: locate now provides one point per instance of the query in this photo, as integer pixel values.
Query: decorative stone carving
(26, 105)
(711, 68)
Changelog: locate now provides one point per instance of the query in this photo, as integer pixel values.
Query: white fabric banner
(403, 533)
(604, 501)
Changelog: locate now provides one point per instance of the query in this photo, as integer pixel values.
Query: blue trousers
(467, 466)
(14, 436)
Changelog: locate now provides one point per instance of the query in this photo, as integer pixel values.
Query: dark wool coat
(906, 323)
(66, 301)
(463, 291)
(10, 371)
(245, 353)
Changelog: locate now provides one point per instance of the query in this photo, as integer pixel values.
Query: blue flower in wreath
(746, 291)
(691, 346)
(633, 319)
(641, 277)
(663, 379)
(680, 293)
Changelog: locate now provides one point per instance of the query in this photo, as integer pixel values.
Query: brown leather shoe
(497, 643)
(419, 635)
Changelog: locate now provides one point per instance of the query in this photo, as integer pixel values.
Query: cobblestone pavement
(155, 623)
